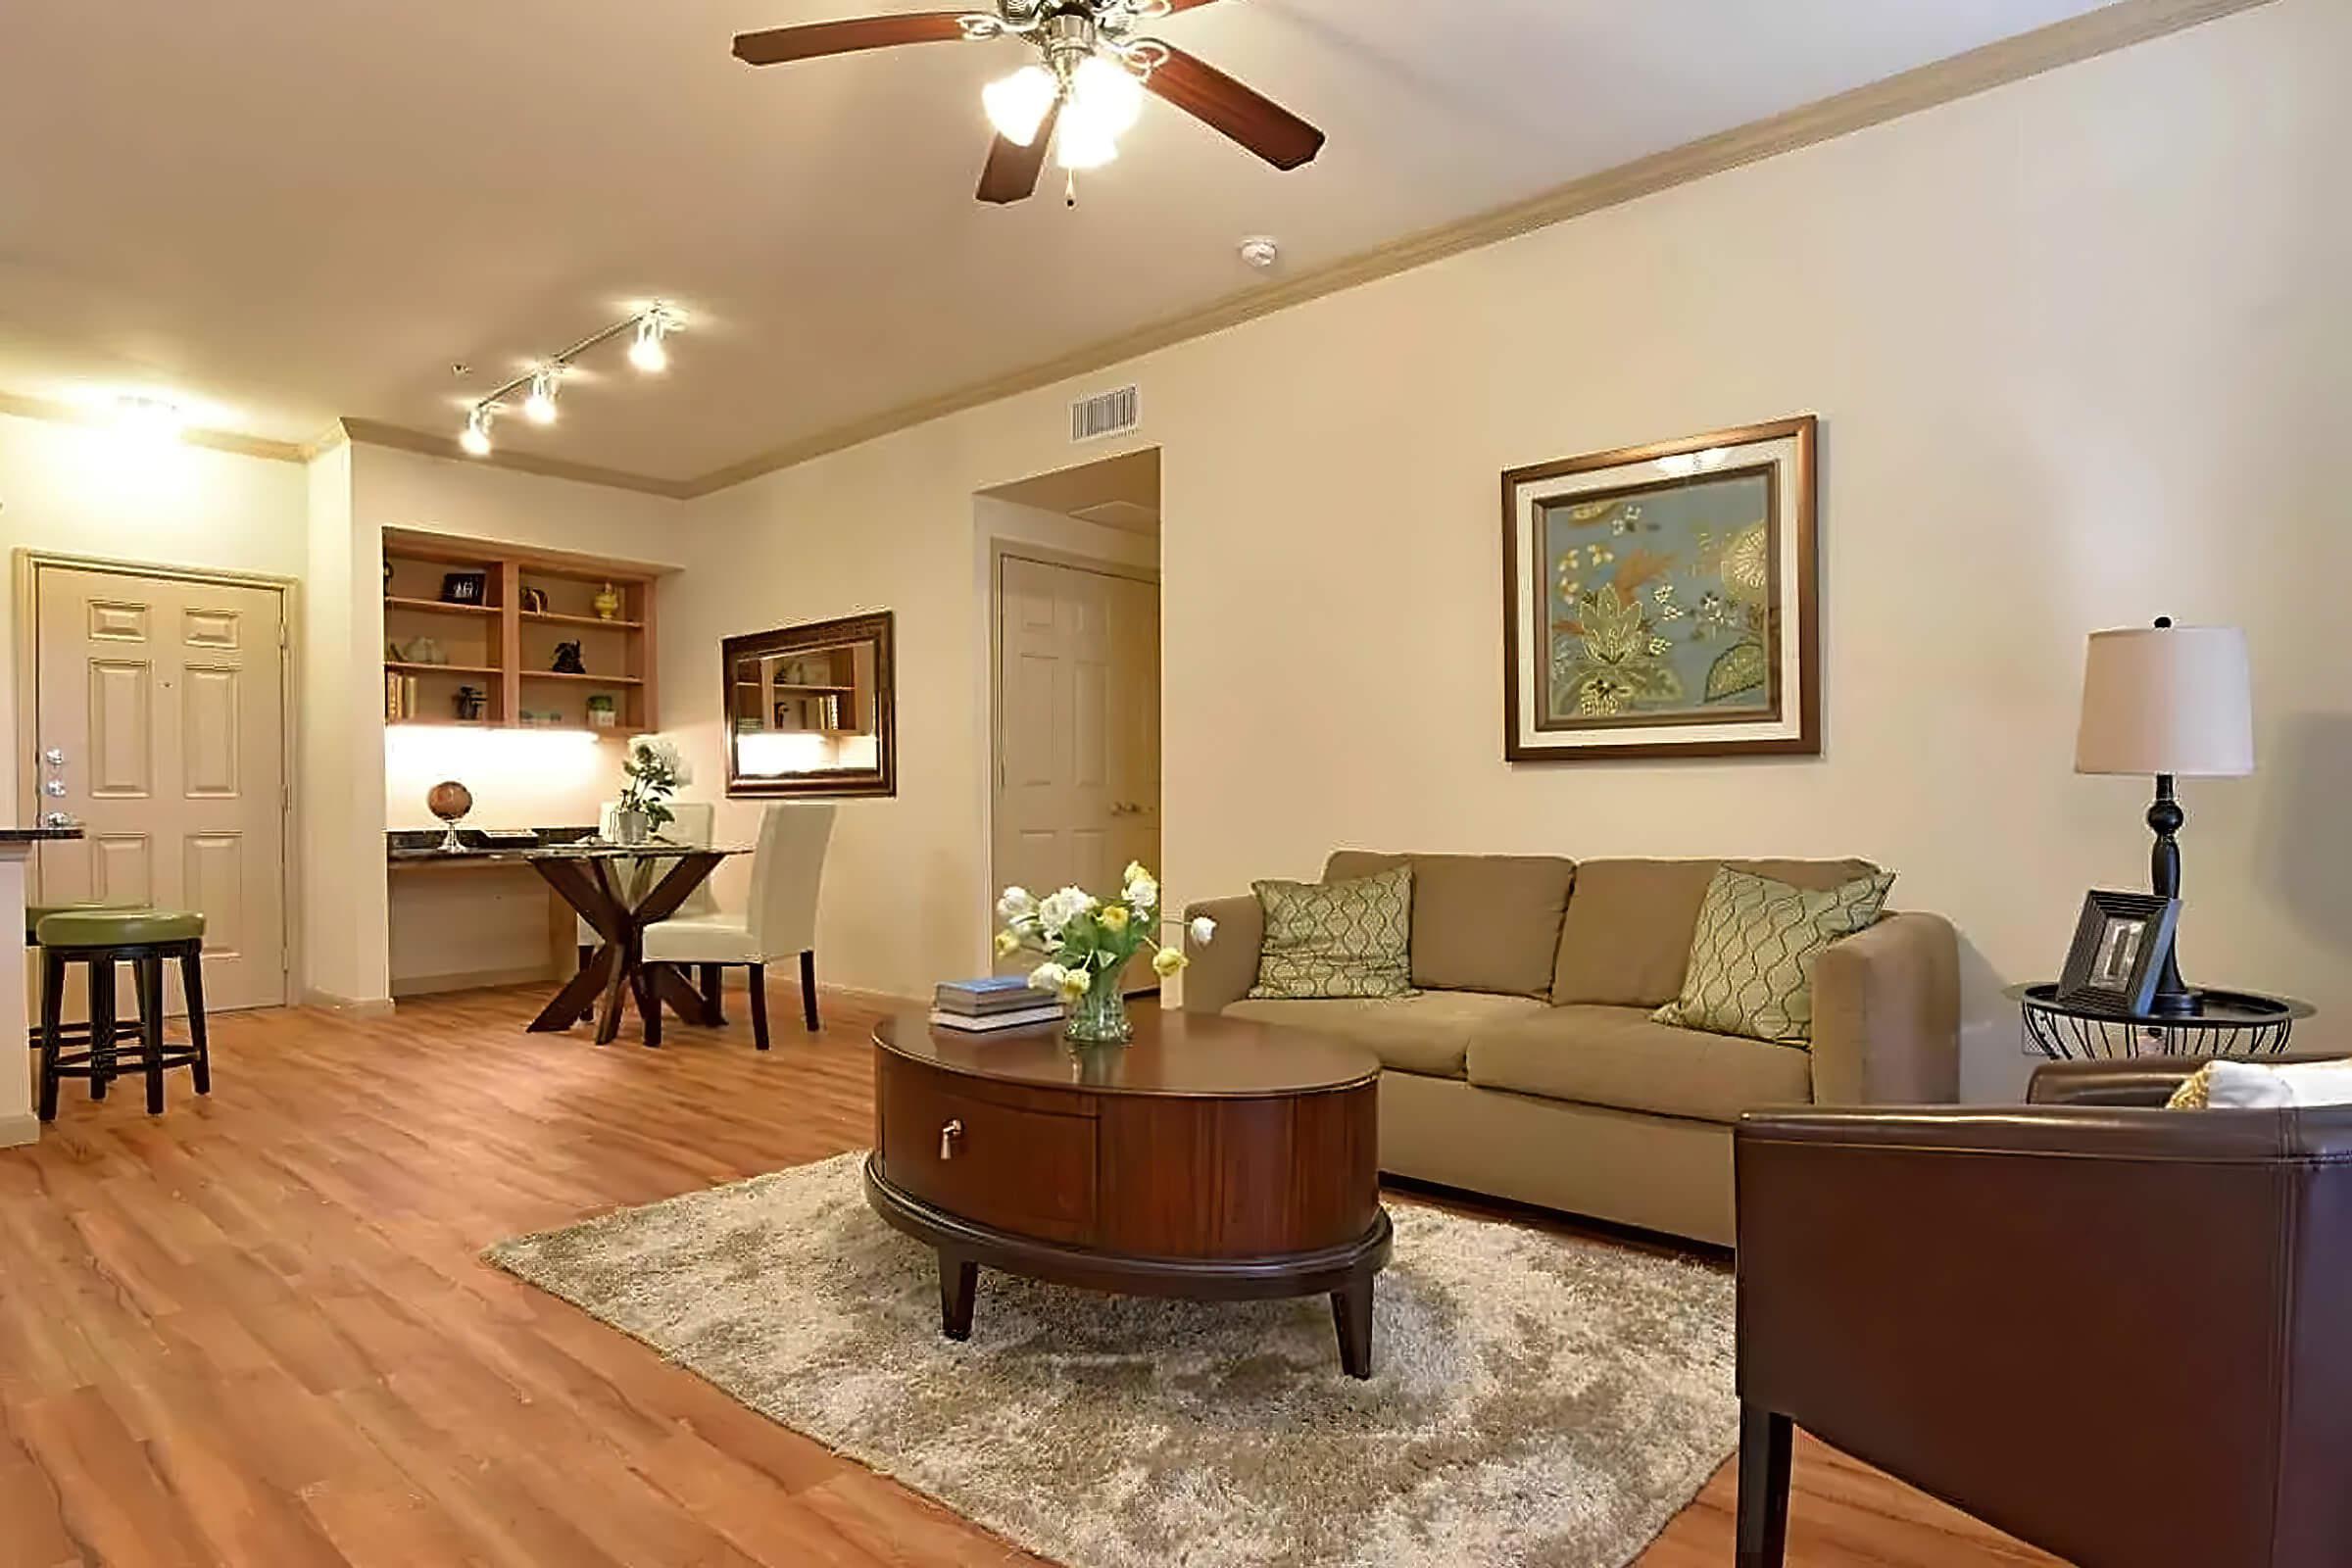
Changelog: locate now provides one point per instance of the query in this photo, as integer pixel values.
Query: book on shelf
(987, 1023)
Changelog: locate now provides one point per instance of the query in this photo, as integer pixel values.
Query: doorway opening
(1074, 679)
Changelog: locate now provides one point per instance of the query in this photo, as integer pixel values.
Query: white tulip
(1203, 929)
(1048, 977)
(1060, 908)
(1016, 902)
(1142, 891)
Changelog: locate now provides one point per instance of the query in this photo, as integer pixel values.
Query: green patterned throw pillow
(1337, 939)
(1751, 955)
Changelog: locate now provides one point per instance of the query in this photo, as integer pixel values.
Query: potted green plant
(651, 772)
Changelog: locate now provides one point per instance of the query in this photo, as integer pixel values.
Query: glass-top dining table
(620, 889)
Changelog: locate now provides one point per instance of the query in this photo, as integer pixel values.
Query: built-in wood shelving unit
(507, 652)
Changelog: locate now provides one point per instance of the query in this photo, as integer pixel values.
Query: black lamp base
(2173, 999)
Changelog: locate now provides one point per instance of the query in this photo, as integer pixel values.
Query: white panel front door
(162, 703)
(1077, 726)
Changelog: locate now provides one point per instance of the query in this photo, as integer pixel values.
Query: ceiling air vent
(1107, 413)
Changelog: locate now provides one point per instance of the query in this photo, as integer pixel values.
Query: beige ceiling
(289, 211)
(1121, 492)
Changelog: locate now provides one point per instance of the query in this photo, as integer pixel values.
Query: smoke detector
(1260, 252)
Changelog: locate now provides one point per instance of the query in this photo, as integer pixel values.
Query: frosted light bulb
(1017, 104)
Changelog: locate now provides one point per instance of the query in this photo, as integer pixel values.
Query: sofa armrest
(1886, 1014)
(1223, 972)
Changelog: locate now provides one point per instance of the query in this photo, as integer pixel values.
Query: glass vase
(1099, 1017)
(631, 827)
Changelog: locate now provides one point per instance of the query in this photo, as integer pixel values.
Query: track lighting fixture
(541, 384)
(540, 407)
(647, 353)
(476, 439)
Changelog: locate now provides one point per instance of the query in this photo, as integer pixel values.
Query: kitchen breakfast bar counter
(18, 1124)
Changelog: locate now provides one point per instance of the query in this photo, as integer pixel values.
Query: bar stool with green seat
(100, 939)
(34, 913)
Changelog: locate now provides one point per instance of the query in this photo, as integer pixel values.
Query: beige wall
(2078, 346)
(87, 490)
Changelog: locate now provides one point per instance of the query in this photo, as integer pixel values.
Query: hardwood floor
(254, 1332)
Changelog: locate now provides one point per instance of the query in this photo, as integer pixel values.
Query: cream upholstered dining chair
(779, 918)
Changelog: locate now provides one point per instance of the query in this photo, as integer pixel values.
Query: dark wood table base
(618, 971)
(1343, 1273)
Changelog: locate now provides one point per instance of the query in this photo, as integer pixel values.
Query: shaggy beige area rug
(1536, 1401)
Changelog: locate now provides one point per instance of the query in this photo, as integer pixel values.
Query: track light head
(648, 353)
(475, 439)
(540, 407)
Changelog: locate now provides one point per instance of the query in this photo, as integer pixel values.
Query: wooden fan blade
(779, 44)
(1013, 169)
(1223, 104)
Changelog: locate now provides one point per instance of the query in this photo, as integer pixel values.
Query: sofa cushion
(1626, 938)
(1752, 954)
(1619, 1058)
(1481, 922)
(1426, 1033)
(1336, 939)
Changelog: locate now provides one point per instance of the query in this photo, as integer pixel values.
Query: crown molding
(2113, 27)
(378, 433)
(244, 446)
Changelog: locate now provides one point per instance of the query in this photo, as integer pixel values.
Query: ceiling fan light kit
(545, 379)
(1083, 94)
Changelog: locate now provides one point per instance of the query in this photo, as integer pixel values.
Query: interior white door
(160, 719)
(1077, 717)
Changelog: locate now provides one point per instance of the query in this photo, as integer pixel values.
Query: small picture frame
(462, 587)
(2119, 951)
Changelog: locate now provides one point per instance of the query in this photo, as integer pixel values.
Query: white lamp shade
(2167, 700)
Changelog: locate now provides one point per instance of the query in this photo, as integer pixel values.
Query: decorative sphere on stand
(449, 801)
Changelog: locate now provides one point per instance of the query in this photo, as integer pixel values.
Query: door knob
(56, 786)
(57, 820)
(55, 757)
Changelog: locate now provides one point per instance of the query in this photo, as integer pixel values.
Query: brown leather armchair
(2118, 1333)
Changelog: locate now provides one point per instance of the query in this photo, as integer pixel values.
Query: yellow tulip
(1007, 944)
(1167, 961)
(1112, 918)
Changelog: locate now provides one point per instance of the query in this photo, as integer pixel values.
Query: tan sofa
(1527, 1066)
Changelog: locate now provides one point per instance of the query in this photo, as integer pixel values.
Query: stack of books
(1000, 1001)
(400, 696)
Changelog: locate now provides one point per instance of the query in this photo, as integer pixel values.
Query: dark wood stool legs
(808, 988)
(100, 1059)
(759, 1004)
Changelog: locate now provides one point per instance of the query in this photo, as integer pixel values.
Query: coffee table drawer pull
(947, 1138)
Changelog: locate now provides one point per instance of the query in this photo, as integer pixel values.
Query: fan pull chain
(1069, 187)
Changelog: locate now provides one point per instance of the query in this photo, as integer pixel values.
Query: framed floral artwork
(1662, 600)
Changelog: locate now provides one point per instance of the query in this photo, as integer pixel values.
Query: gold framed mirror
(810, 709)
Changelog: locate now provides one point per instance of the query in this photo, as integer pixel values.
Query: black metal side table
(2231, 1023)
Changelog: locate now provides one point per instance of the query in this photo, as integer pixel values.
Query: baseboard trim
(872, 999)
(18, 1131)
(347, 1007)
(435, 984)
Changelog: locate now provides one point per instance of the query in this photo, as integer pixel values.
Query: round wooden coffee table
(1210, 1159)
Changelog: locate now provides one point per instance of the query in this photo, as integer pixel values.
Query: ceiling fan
(1085, 91)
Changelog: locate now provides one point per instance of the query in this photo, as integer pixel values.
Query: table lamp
(2174, 702)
